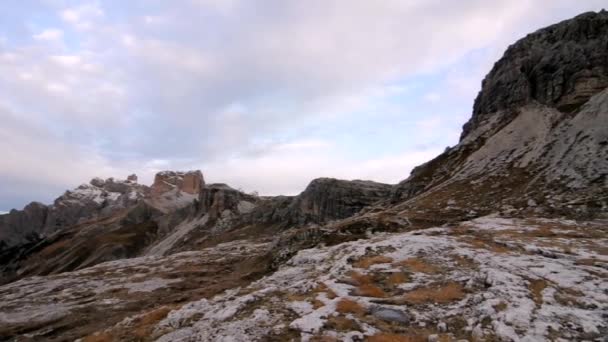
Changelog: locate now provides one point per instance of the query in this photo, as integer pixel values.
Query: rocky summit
(503, 237)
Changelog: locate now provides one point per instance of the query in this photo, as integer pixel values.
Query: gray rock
(323, 200)
(390, 315)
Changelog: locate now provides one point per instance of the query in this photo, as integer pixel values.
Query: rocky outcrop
(560, 66)
(323, 200)
(190, 182)
(173, 190)
(330, 199)
(20, 226)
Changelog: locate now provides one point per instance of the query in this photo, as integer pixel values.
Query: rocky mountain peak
(175, 189)
(190, 182)
(560, 66)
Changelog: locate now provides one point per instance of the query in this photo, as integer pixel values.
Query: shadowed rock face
(329, 199)
(561, 66)
(324, 199)
(22, 224)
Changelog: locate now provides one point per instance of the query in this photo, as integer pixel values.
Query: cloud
(266, 95)
(49, 34)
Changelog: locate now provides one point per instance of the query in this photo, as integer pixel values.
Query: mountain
(500, 238)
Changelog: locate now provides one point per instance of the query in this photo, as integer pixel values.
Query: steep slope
(538, 136)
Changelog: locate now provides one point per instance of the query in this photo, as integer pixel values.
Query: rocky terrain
(503, 237)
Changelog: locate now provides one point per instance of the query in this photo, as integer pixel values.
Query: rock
(190, 182)
(174, 190)
(132, 178)
(324, 199)
(98, 182)
(390, 315)
(20, 226)
(562, 66)
(433, 338)
(215, 199)
(442, 327)
(538, 130)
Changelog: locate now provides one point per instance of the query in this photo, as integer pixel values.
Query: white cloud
(432, 97)
(49, 34)
(66, 60)
(243, 89)
(82, 17)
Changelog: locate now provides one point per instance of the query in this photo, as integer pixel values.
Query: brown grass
(366, 262)
(349, 306)
(486, 243)
(297, 297)
(397, 278)
(147, 321)
(370, 290)
(99, 337)
(321, 287)
(536, 288)
(418, 265)
(341, 323)
(445, 293)
(360, 279)
(317, 304)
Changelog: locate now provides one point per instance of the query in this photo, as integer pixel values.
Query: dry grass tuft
(99, 337)
(349, 306)
(147, 321)
(365, 285)
(536, 288)
(418, 265)
(370, 290)
(321, 287)
(341, 323)
(297, 297)
(360, 279)
(397, 278)
(445, 293)
(486, 243)
(366, 262)
(317, 304)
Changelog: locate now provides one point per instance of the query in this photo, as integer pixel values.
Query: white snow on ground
(499, 299)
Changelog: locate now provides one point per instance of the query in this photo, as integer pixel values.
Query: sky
(263, 95)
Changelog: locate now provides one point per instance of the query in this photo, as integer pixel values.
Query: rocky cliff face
(560, 66)
(538, 133)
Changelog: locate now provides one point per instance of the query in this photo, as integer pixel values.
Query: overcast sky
(262, 95)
